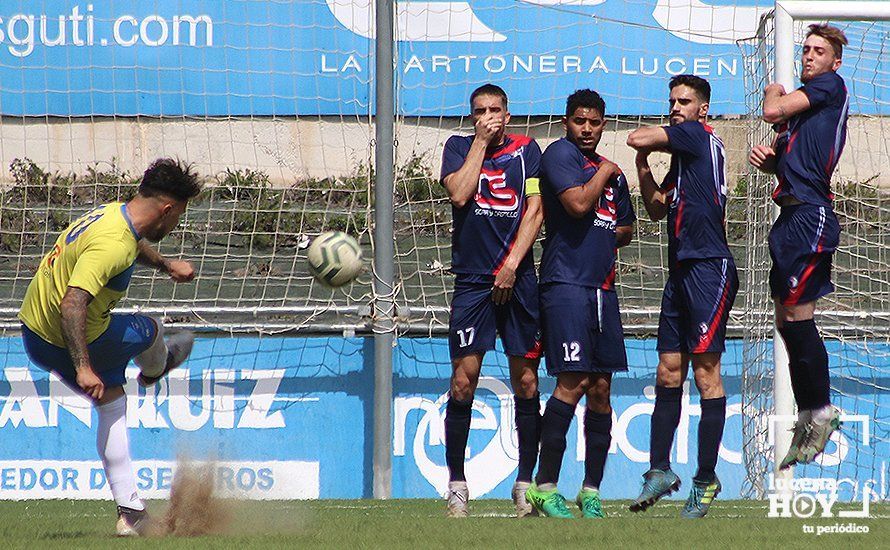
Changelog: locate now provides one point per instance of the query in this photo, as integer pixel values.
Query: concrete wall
(288, 149)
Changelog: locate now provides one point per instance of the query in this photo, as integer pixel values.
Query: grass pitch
(420, 524)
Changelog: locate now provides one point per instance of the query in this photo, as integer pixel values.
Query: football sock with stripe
(457, 431)
(665, 419)
(554, 426)
(528, 434)
(114, 450)
(710, 433)
(598, 438)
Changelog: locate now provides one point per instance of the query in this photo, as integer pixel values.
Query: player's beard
(154, 237)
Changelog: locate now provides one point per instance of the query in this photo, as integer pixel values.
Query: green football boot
(700, 498)
(801, 433)
(588, 501)
(548, 503)
(656, 485)
(817, 437)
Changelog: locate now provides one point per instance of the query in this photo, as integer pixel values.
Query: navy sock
(457, 431)
(710, 433)
(528, 432)
(808, 364)
(800, 383)
(598, 438)
(665, 419)
(554, 426)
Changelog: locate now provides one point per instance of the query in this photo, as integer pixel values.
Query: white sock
(822, 415)
(114, 449)
(590, 488)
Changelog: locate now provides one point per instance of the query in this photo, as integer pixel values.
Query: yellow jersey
(96, 253)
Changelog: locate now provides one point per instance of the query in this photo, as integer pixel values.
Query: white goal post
(786, 13)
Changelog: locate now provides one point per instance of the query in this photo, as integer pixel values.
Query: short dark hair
(833, 35)
(489, 89)
(697, 83)
(170, 177)
(587, 99)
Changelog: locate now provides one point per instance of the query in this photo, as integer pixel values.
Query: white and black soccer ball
(335, 258)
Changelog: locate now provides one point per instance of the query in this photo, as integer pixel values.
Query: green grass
(420, 524)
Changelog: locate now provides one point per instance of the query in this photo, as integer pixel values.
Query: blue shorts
(582, 329)
(126, 337)
(476, 320)
(801, 244)
(695, 306)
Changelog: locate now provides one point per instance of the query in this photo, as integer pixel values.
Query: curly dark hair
(172, 178)
(587, 99)
(697, 83)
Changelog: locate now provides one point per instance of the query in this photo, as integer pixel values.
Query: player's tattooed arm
(462, 185)
(580, 200)
(779, 106)
(74, 321)
(180, 271)
(655, 199)
(529, 228)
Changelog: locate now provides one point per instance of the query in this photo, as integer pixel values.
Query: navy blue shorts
(801, 244)
(582, 329)
(695, 306)
(476, 321)
(126, 337)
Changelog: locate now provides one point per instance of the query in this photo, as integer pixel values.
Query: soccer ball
(334, 258)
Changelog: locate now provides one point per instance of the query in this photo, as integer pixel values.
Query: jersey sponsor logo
(494, 193)
(606, 209)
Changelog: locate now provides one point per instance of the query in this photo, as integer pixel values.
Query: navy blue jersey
(580, 251)
(697, 185)
(485, 229)
(810, 144)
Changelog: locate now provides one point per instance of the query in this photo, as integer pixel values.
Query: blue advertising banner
(263, 57)
(293, 418)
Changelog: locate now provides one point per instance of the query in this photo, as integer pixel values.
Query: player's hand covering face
(585, 128)
(818, 58)
(490, 117)
(685, 105)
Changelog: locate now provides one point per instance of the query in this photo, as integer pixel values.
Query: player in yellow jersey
(68, 327)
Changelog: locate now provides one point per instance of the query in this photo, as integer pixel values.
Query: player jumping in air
(700, 290)
(68, 327)
(812, 127)
(492, 181)
(588, 215)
